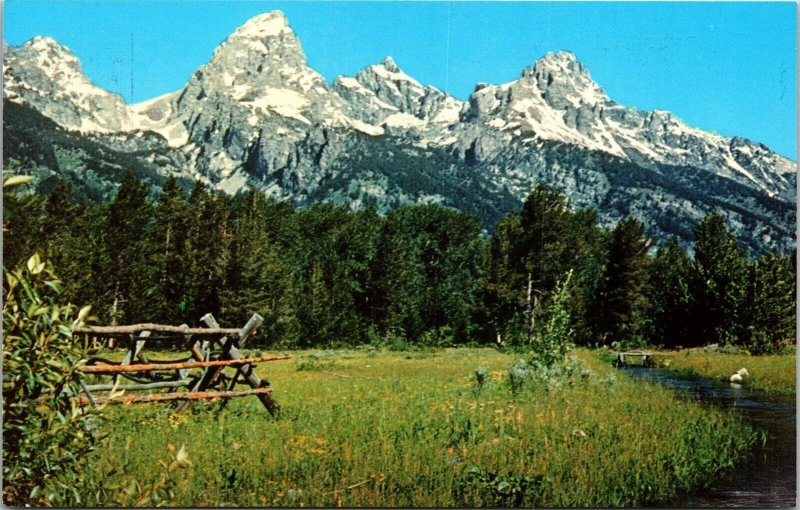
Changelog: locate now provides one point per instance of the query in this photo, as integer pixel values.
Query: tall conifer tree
(624, 305)
(669, 294)
(719, 284)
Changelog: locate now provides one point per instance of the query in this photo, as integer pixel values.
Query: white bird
(739, 375)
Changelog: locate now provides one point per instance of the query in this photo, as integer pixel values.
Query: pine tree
(256, 281)
(506, 281)
(358, 242)
(167, 244)
(669, 294)
(718, 285)
(588, 251)
(623, 291)
(771, 302)
(334, 257)
(87, 265)
(545, 222)
(131, 276)
(207, 253)
(61, 210)
(430, 273)
(22, 226)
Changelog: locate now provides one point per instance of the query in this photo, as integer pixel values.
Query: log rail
(160, 328)
(212, 349)
(181, 395)
(141, 367)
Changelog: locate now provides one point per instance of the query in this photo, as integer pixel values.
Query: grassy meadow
(772, 373)
(380, 428)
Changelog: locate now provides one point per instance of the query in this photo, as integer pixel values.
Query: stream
(769, 477)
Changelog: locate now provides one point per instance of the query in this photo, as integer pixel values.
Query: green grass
(412, 429)
(775, 373)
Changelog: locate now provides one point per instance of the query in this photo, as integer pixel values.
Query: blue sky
(727, 67)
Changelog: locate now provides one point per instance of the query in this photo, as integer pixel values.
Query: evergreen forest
(423, 275)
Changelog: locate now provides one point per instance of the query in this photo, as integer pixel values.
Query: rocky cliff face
(557, 100)
(257, 114)
(395, 104)
(47, 76)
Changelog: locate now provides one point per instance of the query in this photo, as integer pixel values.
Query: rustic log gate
(202, 374)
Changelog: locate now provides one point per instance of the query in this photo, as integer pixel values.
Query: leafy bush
(46, 437)
(393, 340)
(760, 343)
(534, 374)
(555, 340)
(161, 492)
(437, 337)
(480, 378)
(504, 491)
(518, 375)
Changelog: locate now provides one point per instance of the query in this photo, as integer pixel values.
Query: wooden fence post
(231, 347)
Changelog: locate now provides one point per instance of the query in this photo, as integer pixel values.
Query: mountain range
(257, 115)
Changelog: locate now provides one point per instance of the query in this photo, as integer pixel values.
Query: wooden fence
(200, 375)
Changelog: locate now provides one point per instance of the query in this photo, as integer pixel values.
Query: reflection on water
(769, 478)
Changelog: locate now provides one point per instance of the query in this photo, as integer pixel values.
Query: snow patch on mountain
(257, 114)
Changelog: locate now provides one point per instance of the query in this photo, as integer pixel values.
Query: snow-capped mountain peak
(48, 76)
(564, 81)
(261, 70)
(265, 25)
(383, 95)
(389, 64)
(556, 99)
(257, 114)
(53, 55)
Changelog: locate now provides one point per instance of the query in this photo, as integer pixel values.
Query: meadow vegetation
(448, 427)
(772, 373)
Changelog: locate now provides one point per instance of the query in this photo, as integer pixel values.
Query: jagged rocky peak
(392, 85)
(260, 71)
(564, 81)
(384, 95)
(556, 99)
(390, 65)
(263, 38)
(552, 99)
(48, 76)
(52, 55)
(269, 24)
(263, 50)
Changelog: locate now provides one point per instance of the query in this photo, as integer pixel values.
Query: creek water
(769, 477)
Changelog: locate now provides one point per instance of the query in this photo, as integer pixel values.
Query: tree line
(325, 276)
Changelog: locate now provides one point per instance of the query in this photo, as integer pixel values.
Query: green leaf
(17, 180)
(84, 312)
(34, 262)
(53, 285)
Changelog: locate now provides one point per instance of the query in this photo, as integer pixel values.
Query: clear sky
(727, 67)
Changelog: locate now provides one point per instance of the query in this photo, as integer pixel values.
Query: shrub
(503, 491)
(480, 377)
(555, 340)
(437, 337)
(46, 437)
(760, 343)
(518, 375)
(536, 375)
